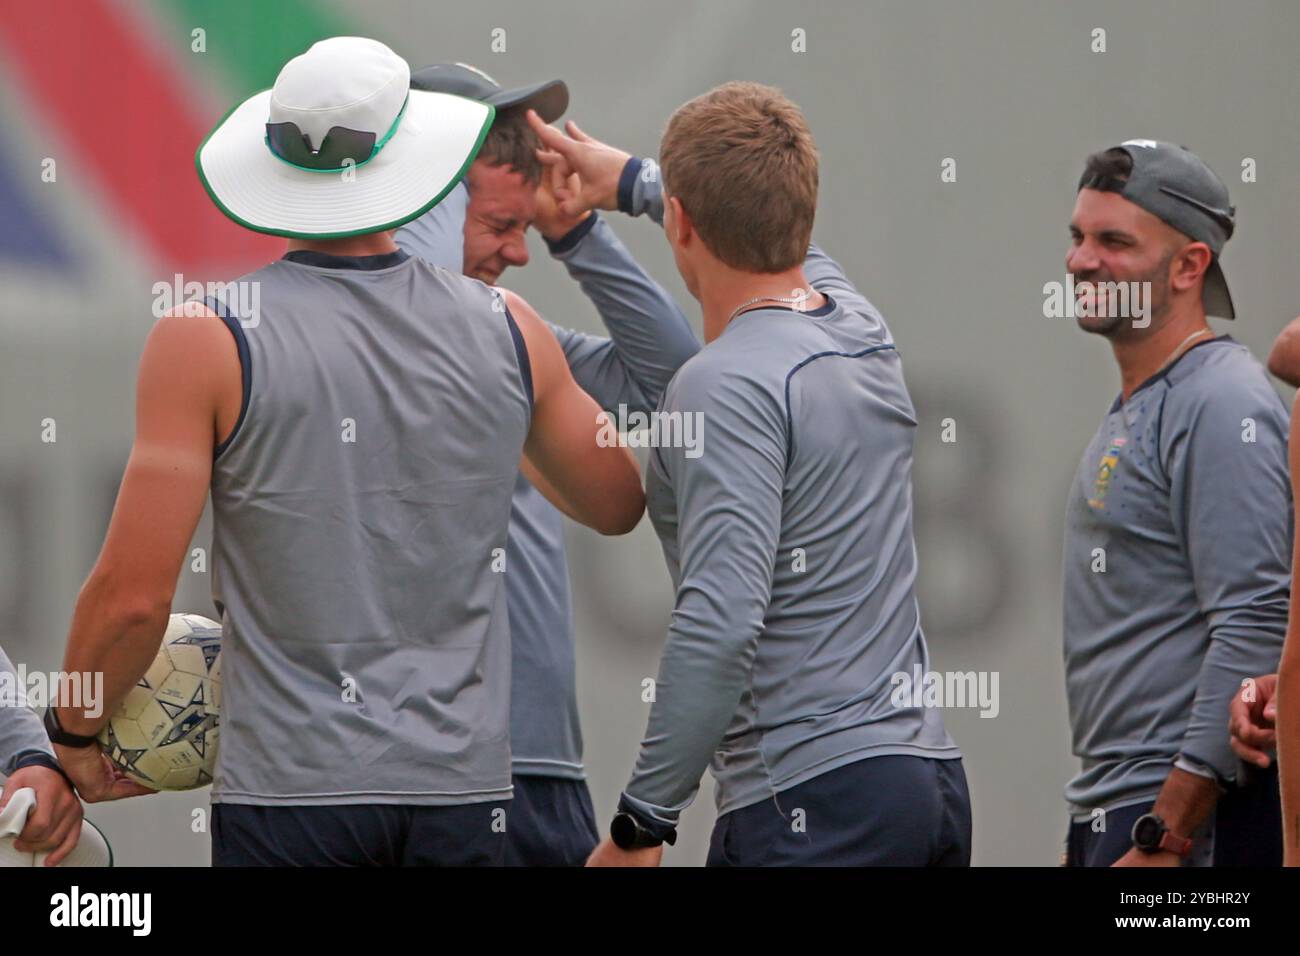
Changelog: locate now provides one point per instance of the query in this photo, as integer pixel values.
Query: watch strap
(1175, 844)
(62, 737)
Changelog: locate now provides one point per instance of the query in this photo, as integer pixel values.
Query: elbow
(625, 513)
(126, 605)
(1277, 365)
(1282, 359)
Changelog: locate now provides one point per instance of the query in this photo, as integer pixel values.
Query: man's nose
(1082, 258)
(515, 251)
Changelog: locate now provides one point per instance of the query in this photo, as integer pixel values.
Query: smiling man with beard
(1178, 531)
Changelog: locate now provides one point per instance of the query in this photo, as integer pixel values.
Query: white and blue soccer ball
(164, 735)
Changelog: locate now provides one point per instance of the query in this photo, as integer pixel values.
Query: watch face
(623, 831)
(1147, 831)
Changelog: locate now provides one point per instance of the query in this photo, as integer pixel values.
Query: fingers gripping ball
(164, 735)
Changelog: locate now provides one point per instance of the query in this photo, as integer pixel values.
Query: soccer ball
(164, 735)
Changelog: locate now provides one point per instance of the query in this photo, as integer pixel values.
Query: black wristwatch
(62, 737)
(1150, 835)
(628, 834)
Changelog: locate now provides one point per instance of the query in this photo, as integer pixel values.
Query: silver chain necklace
(789, 300)
(1179, 351)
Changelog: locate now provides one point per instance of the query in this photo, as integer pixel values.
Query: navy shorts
(880, 811)
(471, 834)
(550, 822)
(1244, 830)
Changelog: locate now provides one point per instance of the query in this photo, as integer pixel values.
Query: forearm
(549, 491)
(1185, 802)
(114, 637)
(700, 682)
(650, 337)
(1235, 653)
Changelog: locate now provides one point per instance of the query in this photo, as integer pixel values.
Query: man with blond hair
(789, 533)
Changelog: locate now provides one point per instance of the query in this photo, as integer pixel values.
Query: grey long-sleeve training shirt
(649, 340)
(789, 541)
(1177, 572)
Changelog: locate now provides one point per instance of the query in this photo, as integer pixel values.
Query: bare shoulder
(191, 351)
(544, 350)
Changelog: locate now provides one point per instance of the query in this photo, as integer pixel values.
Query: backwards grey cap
(1174, 185)
(550, 98)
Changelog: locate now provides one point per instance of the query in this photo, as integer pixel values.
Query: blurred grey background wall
(1013, 92)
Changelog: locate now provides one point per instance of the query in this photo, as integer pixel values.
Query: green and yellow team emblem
(1106, 472)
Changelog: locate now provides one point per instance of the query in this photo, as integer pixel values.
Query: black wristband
(62, 737)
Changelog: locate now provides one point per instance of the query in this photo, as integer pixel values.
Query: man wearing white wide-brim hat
(360, 434)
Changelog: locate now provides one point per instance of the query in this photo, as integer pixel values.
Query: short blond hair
(742, 162)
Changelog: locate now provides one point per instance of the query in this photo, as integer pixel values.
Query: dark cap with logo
(1174, 185)
(550, 99)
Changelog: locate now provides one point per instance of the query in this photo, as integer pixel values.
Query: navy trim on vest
(245, 367)
(326, 260)
(626, 182)
(789, 416)
(521, 353)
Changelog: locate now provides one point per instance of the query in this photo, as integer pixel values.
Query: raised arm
(593, 480)
(650, 337)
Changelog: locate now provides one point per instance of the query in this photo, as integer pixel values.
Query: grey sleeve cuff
(640, 189)
(661, 821)
(36, 758)
(1192, 765)
(569, 241)
(626, 183)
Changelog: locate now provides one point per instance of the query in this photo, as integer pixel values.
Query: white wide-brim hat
(91, 849)
(427, 143)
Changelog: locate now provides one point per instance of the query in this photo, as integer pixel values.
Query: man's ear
(1189, 265)
(681, 224)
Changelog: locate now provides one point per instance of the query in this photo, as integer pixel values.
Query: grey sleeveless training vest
(359, 519)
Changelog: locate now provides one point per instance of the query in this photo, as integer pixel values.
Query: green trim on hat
(455, 180)
(108, 845)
